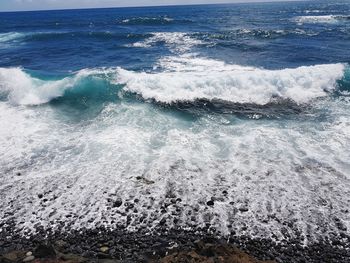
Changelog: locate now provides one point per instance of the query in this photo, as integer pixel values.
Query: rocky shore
(108, 246)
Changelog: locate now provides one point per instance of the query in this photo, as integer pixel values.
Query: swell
(71, 35)
(253, 33)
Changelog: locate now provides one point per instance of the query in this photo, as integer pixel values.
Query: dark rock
(40, 196)
(44, 251)
(103, 255)
(210, 203)
(243, 209)
(117, 203)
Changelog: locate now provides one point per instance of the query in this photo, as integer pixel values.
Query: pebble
(28, 254)
(243, 209)
(28, 259)
(104, 249)
(117, 203)
(210, 203)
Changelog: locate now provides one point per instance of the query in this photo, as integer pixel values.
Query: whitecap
(189, 79)
(177, 42)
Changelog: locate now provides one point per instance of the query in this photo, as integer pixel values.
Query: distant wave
(55, 35)
(180, 80)
(255, 33)
(322, 19)
(175, 41)
(11, 36)
(148, 21)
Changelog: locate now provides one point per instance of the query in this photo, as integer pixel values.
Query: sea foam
(321, 19)
(186, 79)
(189, 79)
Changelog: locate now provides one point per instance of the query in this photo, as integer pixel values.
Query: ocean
(232, 117)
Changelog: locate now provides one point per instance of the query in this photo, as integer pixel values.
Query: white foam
(188, 79)
(175, 41)
(320, 19)
(23, 89)
(295, 172)
(11, 36)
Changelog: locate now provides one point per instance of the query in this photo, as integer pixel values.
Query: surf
(181, 80)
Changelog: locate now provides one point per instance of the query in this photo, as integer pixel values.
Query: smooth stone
(104, 249)
(210, 203)
(28, 259)
(243, 209)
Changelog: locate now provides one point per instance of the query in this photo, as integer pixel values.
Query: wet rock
(101, 255)
(144, 180)
(210, 203)
(117, 203)
(104, 249)
(72, 258)
(162, 222)
(209, 253)
(243, 209)
(14, 256)
(44, 251)
(28, 259)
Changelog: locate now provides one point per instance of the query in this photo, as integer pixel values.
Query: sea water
(246, 105)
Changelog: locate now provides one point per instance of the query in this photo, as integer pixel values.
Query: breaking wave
(189, 79)
(322, 19)
(181, 80)
(11, 36)
(175, 41)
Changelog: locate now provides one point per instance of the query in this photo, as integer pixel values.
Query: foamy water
(139, 117)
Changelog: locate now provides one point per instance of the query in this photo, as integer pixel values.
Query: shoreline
(162, 245)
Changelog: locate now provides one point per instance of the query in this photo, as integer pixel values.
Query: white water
(11, 36)
(177, 42)
(187, 79)
(321, 19)
(294, 170)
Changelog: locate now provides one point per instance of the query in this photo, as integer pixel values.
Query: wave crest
(177, 42)
(322, 19)
(181, 79)
(208, 79)
(22, 88)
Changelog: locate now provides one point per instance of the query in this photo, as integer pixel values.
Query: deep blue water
(265, 35)
(252, 99)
